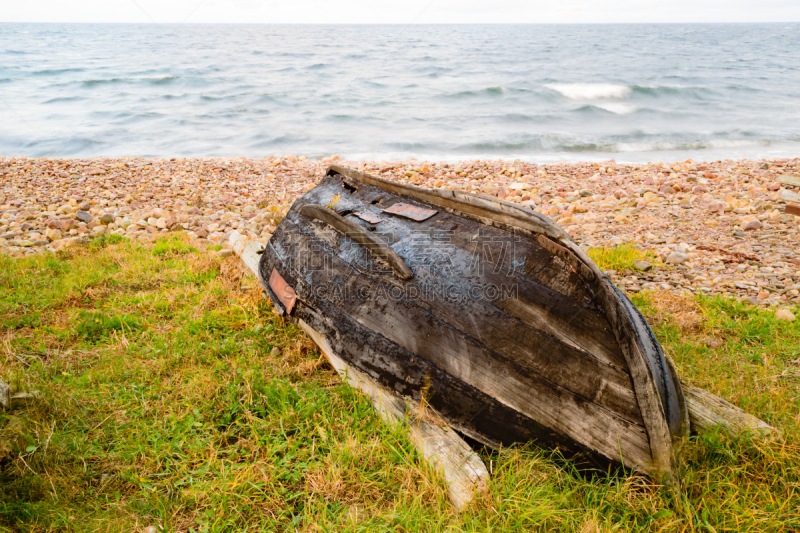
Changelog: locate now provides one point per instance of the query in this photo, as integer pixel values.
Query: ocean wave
(606, 91)
(153, 80)
(487, 91)
(564, 144)
(590, 91)
(157, 79)
(360, 119)
(617, 108)
(50, 71)
(520, 117)
(93, 83)
(62, 99)
(626, 147)
(682, 92)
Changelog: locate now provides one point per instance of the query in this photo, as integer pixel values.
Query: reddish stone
(792, 209)
(753, 225)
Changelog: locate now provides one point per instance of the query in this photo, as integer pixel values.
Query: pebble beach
(723, 227)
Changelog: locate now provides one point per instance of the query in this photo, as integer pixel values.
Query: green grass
(172, 396)
(621, 258)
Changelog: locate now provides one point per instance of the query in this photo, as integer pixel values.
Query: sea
(540, 93)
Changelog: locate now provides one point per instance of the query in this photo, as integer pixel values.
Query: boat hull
(490, 314)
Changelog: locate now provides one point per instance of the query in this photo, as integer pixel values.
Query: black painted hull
(510, 333)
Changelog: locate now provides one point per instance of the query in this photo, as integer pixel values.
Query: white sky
(399, 12)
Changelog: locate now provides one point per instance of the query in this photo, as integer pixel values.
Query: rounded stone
(676, 258)
(752, 225)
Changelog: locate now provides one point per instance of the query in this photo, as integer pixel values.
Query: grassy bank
(172, 396)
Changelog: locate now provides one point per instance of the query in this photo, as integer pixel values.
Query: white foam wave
(700, 145)
(590, 91)
(618, 108)
(156, 77)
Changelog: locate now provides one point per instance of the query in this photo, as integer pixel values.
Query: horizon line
(402, 24)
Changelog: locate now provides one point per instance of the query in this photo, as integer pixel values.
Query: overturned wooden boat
(488, 311)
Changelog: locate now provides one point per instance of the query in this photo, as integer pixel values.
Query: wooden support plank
(5, 394)
(248, 249)
(10, 399)
(707, 411)
(463, 471)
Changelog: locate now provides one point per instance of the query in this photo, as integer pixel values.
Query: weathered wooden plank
(354, 231)
(464, 407)
(495, 246)
(542, 301)
(10, 399)
(248, 249)
(463, 471)
(485, 327)
(654, 412)
(5, 394)
(514, 385)
(707, 411)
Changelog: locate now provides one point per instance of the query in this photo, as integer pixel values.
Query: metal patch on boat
(366, 217)
(282, 290)
(411, 211)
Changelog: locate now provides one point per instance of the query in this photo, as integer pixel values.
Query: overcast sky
(399, 12)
